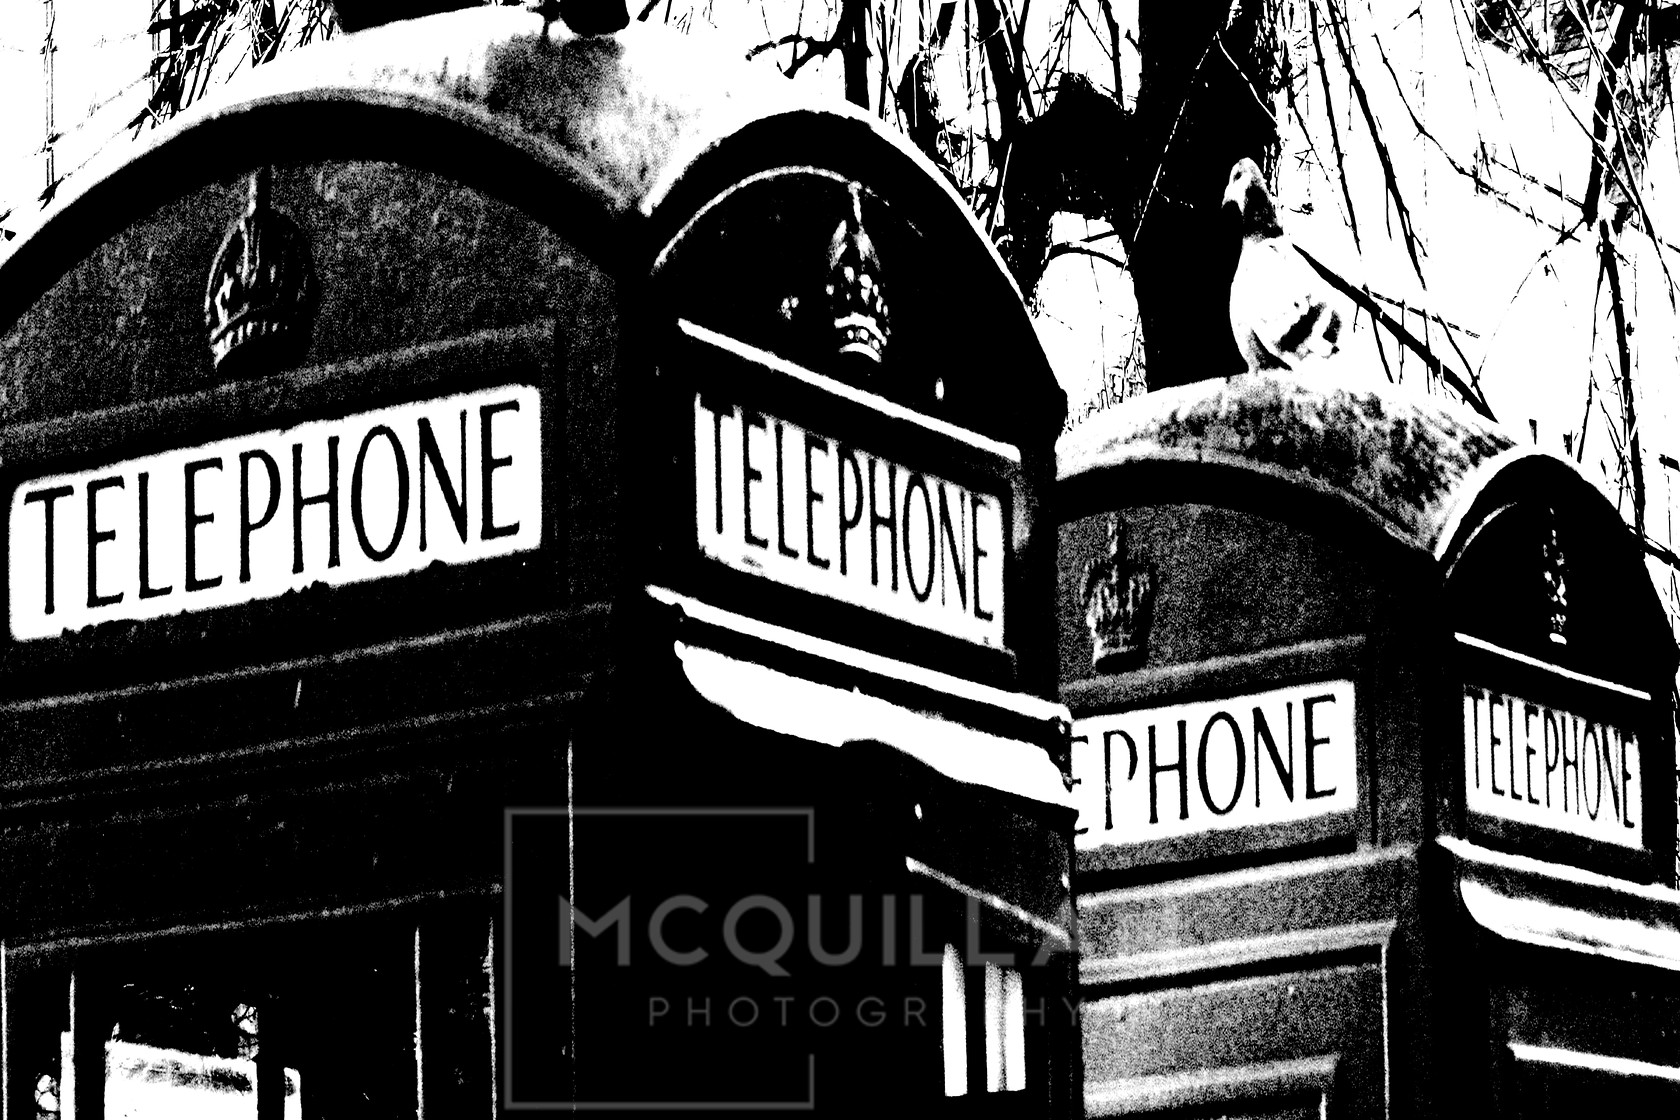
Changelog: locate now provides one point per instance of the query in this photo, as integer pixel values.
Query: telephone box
(1374, 762)
(527, 592)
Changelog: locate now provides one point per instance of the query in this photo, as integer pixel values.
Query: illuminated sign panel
(376, 494)
(1540, 765)
(1283, 755)
(780, 501)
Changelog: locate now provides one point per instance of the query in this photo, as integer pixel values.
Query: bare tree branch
(1247, 83)
(884, 31)
(1107, 8)
(1481, 183)
(1391, 181)
(847, 39)
(1017, 45)
(1067, 248)
(1382, 353)
(265, 31)
(1661, 552)
(1603, 159)
(1330, 115)
(818, 48)
(1586, 415)
(1363, 298)
(1609, 63)
(1001, 51)
(1636, 466)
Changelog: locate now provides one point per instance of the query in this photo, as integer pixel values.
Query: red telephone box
(1374, 760)
(527, 592)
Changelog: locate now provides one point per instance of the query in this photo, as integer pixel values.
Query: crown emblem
(1552, 577)
(1119, 597)
(860, 322)
(259, 304)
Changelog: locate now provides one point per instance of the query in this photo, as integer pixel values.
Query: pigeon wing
(1281, 317)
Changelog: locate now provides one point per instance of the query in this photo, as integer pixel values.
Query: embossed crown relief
(1119, 596)
(857, 304)
(260, 301)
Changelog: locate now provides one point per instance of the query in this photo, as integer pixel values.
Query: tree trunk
(1197, 114)
(854, 50)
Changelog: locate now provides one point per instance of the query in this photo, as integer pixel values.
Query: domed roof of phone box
(1425, 474)
(1422, 469)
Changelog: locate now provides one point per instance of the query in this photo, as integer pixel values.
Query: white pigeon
(1282, 316)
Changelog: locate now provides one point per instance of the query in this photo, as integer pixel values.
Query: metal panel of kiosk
(1327, 653)
(474, 587)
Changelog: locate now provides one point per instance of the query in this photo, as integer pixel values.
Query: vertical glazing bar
(84, 1094)
(8, 1012)
(271, 1071)
(419, 1034)
(992, 1016)
(487, 1009)
(955, 1024)
(1014, 1031)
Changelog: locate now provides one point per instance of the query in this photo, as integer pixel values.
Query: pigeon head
(1245, 193)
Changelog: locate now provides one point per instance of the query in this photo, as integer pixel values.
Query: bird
(1282, 316)
(588, 17)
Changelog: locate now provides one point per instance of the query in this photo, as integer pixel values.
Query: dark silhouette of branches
(195, 34)
(1391, 182)
(1603, 161)
(1614, 59)
(850, 38)
(1113, 27)
(1003, 55)
(1460, 383)
(1335, 133)
(1611, 274)
(1068, 248)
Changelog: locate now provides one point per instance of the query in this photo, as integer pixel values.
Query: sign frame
(197, 530)
(1141, 763)
(355, 613)
(703, 362)
(1282, 667)
(1479, 663)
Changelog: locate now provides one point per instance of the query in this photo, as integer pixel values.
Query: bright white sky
(103, 50)
(1085, 305)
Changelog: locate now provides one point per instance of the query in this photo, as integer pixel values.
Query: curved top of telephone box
(1426, 475)
(616, 141)
(1406, 465)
